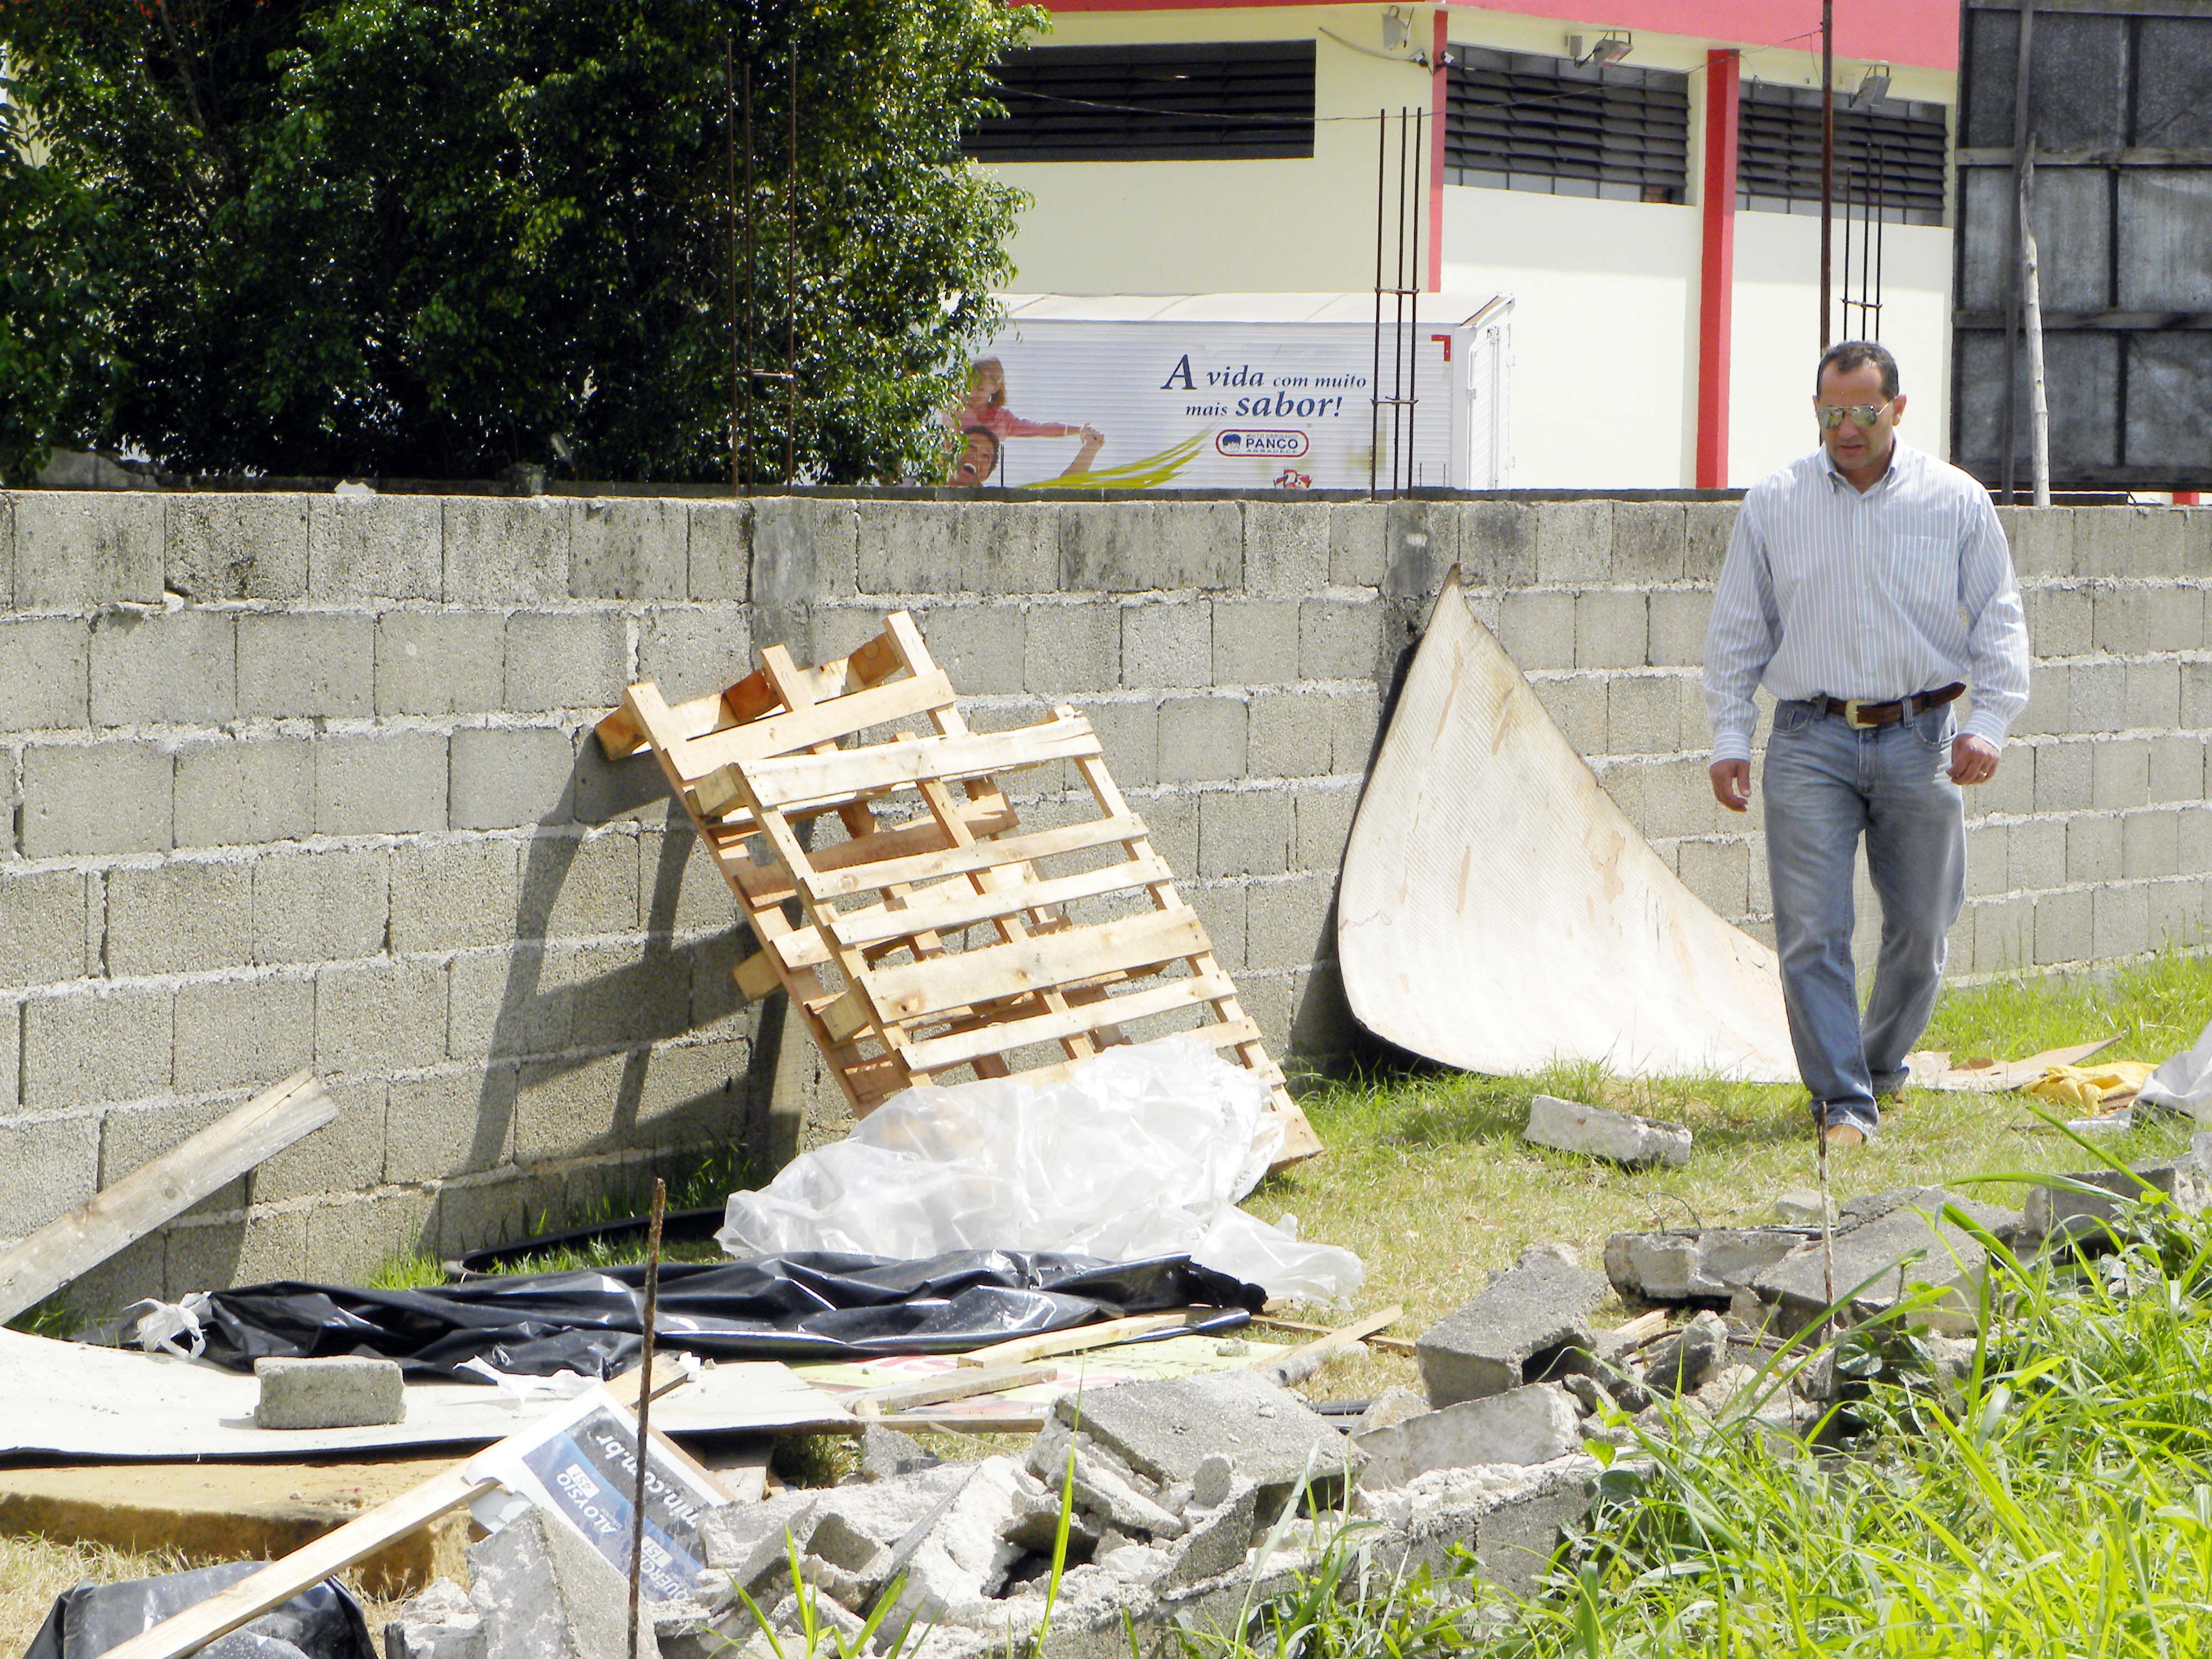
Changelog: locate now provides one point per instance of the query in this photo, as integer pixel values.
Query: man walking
(1867, 584)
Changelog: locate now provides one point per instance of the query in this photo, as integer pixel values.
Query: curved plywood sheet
(1499, 913)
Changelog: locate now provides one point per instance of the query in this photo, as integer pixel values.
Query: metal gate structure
(2118, 125)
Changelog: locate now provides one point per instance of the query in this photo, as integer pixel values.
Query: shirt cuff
(1731, 746)
(1986, 724)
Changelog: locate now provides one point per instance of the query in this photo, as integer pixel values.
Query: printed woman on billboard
(984, 424)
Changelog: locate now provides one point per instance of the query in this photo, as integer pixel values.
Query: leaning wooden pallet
(879, 963)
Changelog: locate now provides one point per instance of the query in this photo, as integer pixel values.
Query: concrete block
(184, 916)
(2012, 789)
(375, 547)
(2195, 840)
(2120, 922)
(567, 660)
(1530, 1424)
(1288, 552)
(1699, 1265)
(347, 1243)
(1421, 541)
(680, 891)
(1677, 800)
(2176, 767)
(328, 906)
(2132, 541)
(112, 797)
(449, 895)
(238, 547)
(1691, 1358)
(2092, 848)
(1709, 524)
(1244, 832)
(579, 887)
(1128, 732)
(805, 548)
(296, 664)
(1617, 1137)
(628, 548)
(380, 1015)
(1172, 820)
(49, 922)
(1324, 814)
(570, 1106)
(2047, 710)
(1222, 907)
(1072, 647)
(1165, 1430)
(2035, 854)
(504, 777)
(695, 1094)
(346, 1155)
(2058, 620)
(1986, 847)
(620, 995)
(2133, 619)
(690, 651)
(1651, 541)
(84, 1048)
(1355, 727)
(1256, 642)
(505, 550)
(1577, 704)
(1358, 549)
(978, 646)
(1719, 873)
(164, 667)
(1008, 547)
(244, 792)
(49, 1165)
(1611, 630)
(2096, 696)
(718, 552)
(1339, 639)
(343, 1391)
(1643, 715)
(259, 1249)
(1537, 629)
(2042, 539)
(7, 551)
(133, 1136)
(1895, 1242)
(2119, 774)
(2062, 927)
(1202, 739)
(1137, 547)
(2150, 845)
(2153, 695)
(910, 547)
(79, 551)
(2062, 776)
(1511, 1333)
(2176, 914)
(1574, 541)
(496, 1210)
(502, 1004)
(455, 1123)
(381, 783)
(2068, 1213)
(2004, 935)
(1289, 923)
(1168, 643)
(243, 1033)
(2197, 695)
(45, 672)
(439, 662)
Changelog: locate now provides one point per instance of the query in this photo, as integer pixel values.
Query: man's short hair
(1848, 354)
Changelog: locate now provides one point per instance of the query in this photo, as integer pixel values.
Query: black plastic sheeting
(322, 1623)
(818, 1305)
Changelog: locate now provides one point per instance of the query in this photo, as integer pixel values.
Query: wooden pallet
(934, 941)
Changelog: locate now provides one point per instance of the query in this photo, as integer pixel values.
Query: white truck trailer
(1239, 391)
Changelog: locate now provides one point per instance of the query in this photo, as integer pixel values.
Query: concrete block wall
(291, 781)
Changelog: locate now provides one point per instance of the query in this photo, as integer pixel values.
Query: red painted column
(1439, 79)
(1717, 269)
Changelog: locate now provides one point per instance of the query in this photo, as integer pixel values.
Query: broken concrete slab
(341, 1392)
(1218, 1537)
(1684, 1363)
(751, 1541)
(1514, 1331)
(1390, 1408)
(1709, 1264)
(854, 1525)
(1569, 1126)
(440, 1623)
(955, 1560)
(1163, 1431)
(1803, 1206)
(1893, 1242)
(1530, 1424)
(2061, 1213)
(544, 1592)
(886, 1454)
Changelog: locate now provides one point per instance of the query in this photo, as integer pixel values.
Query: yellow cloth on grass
(2091, 1085)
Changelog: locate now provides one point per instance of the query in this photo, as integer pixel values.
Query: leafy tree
(431, 239)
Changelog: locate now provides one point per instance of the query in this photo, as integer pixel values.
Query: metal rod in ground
(791, 286)
(1374, 380)
(1398, 315)
(1827, 153)
(644, 1402)
(1411, 284)
(1827, 1229)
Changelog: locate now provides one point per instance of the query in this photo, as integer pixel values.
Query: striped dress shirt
(1829, 593)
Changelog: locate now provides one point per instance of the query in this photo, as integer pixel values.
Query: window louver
(1514, 121)
(1890, 154)
(1220, 101)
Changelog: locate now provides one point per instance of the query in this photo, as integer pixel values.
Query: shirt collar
(1900, 456)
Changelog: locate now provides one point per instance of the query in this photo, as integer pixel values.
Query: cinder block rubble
(1533, 1424)
(1569, 1126)
(341, 1392)
(536, 1591)
(2061, 1213)
(1514, 1332)
(1164, 1430)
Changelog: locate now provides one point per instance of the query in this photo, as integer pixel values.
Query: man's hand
(1732, 781)
(1973, 760)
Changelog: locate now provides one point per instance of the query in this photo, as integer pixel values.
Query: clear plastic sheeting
(1142, 1151)
(2184, 1082)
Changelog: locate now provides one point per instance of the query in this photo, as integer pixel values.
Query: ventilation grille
(1889, 156)
(1221, 100)
(1518, 122)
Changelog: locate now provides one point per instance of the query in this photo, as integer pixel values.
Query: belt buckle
(1852, 707)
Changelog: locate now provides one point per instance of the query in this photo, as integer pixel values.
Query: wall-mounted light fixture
(1874, 84)
(1608, 48)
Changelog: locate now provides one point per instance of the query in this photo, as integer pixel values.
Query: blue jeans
(1826, 783)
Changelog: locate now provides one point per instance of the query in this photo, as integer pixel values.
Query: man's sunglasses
(1863, 416)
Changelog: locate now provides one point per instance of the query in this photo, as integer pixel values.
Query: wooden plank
(1083, 1338)
(791, 781)
(1304, 1360)
(1221, 1035)
(280, 1581)
(1392, 1344)
(803, 728)
(832, 879)
(959, 1385)
(963, 907)
(756, 976)
(913, 990)
(622, 734)
(940, 1053)
(154, 1191)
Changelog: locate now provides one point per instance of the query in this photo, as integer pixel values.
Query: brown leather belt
(1865, 714)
